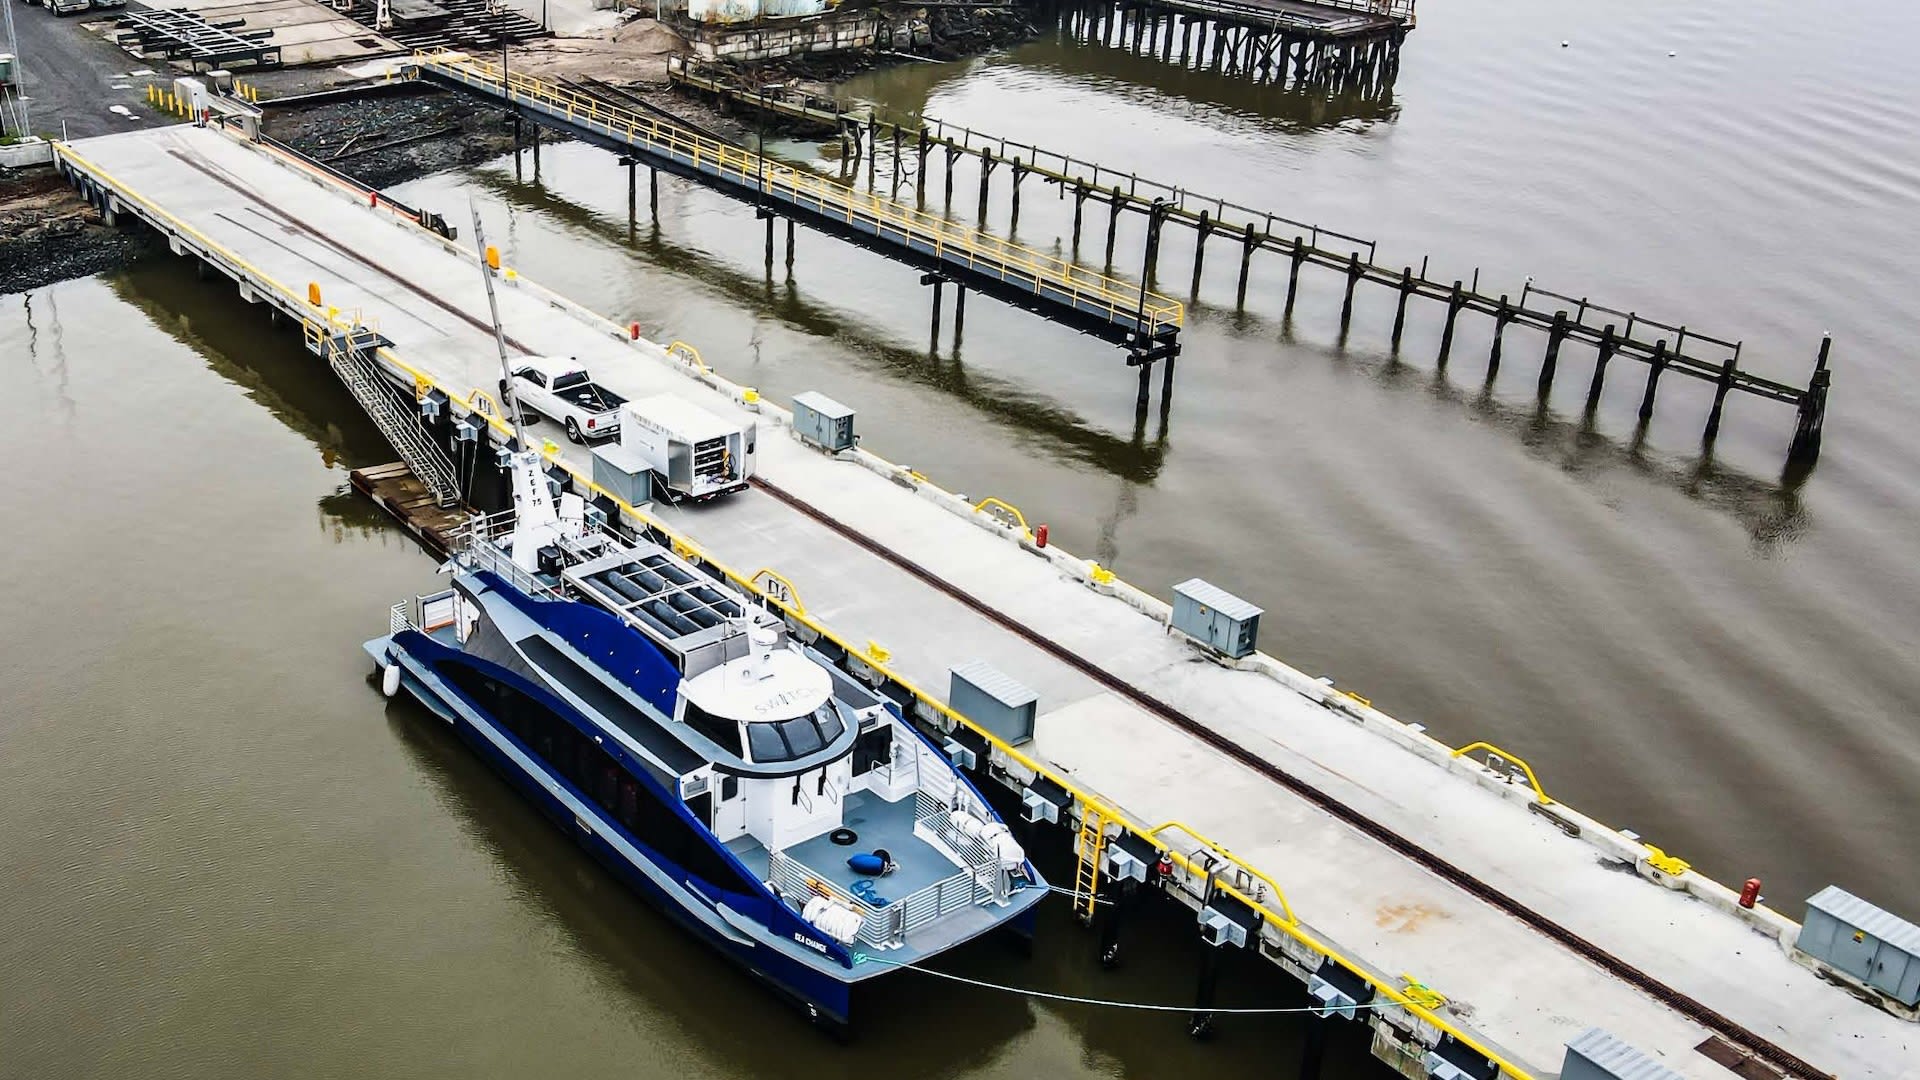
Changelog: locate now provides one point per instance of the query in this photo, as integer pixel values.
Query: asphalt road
(74, 76)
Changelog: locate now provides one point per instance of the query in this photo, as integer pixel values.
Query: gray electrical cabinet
(1868, 943)
(823, 422)
(1596, 1054)
(624, 473)
(1215, 617)
(989, 697)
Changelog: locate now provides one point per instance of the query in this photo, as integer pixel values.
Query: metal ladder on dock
(349, 353)
(1088, 848)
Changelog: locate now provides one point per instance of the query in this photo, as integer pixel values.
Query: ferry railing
(400, 618)
(1044, 275)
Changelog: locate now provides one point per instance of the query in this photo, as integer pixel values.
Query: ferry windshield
(788, 740)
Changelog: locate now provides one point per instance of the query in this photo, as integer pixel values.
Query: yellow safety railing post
(1533, 781)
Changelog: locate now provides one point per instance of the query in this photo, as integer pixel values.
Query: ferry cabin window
(724, 733)
(788, 740)
(596, 774)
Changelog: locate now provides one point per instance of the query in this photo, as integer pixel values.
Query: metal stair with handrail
(350, 354)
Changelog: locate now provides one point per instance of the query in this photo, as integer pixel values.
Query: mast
(499, 335)
(535, 521)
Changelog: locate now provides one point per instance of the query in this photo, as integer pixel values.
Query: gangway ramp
(875, 554)
(1107, 307)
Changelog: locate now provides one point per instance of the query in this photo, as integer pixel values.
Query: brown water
(222, 856)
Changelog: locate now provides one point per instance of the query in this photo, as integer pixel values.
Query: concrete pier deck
(277, 226)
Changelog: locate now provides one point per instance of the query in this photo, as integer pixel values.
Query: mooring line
(1139, 1006)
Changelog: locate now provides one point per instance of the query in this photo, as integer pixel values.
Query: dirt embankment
(48, 233)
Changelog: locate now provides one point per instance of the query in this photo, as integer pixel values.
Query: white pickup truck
(558, 388)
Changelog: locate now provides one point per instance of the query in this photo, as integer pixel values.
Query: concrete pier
(1369, 850)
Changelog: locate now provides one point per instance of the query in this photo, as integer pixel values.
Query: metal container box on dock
(1595, 1054)
(823, 422)
(1215, 617)
(989, 697)
(624, 473)
(1856, 938)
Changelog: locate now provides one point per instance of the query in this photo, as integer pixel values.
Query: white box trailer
(693, 453)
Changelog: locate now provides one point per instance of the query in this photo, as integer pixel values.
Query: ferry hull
(825, 1000)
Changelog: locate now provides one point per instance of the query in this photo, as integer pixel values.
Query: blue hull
(824, 998)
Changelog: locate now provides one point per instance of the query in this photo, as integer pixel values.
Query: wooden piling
(1113, 220)
(1353, 278)
(1297, 256)
(1501, 318)
(1202, 231)
(1454, 303)
(1019, 171)
(1654, 368)
(1600, 367)
(1400, 309)
(1812, 413)
(1720, 389)
(1248, 241)
(986, 175)
(1555, 335)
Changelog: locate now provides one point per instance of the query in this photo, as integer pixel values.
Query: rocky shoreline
(49, 234)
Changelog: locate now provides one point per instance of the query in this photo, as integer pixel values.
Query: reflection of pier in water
(1136, 458)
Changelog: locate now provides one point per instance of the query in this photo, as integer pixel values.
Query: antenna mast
(499, 335)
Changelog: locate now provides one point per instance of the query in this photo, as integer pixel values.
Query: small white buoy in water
(1671, 53)
(1563, 44)
(390, 679)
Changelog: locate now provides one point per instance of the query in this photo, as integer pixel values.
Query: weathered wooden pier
(1662, 346)
(1277, 42)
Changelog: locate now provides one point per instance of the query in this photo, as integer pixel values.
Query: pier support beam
(1297, 256)
(1113, 220)
(1556, 334)
(1600, 367)
(1658, 365)
(1812, 413)
(1353, 278)
(1720, 389)
(1400, 310)
(1454, 303)
(1500, 320)
(1019, 172)
(1203, 230)
(1248, 241)
(987, 162)
(789, 247)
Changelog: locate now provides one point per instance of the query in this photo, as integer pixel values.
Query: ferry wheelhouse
(780, 809)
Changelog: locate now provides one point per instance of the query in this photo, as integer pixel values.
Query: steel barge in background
(712, 763)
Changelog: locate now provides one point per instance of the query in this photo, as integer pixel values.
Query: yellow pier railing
(1048, 277)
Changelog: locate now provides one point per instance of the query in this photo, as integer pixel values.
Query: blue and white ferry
(778, 808)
